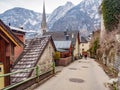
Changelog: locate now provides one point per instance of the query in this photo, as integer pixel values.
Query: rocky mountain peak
(73, 17)
(68, 3)
(58, 13)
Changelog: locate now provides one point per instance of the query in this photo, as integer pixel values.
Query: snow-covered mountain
(83, 17)
(91, 8)
(73, 20)
(20, 17)
(58, 13)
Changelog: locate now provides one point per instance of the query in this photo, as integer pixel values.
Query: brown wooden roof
(7, 31)
(29, 58)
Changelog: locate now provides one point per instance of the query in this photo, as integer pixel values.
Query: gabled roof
(61, 36)
(8, 33)
(62, 44)
(30, 56)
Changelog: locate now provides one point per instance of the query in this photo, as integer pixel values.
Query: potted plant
(57, 58)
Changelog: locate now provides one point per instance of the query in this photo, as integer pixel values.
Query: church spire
(43, 23)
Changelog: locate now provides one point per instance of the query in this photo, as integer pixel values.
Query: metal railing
(38, 73)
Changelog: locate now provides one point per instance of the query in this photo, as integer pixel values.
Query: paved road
(80, 75)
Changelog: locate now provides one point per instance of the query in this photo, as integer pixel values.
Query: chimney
(67, 37)
(9, 24)
(65, 33)
(21, 27)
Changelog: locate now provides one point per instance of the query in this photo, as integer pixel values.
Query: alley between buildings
(79, 75)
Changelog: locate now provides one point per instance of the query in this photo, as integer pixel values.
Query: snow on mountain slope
(20, 17)
(81, 17)
(91, 8)
(58, 13)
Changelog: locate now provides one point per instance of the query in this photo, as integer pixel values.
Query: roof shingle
(31, 54)
(61, 35)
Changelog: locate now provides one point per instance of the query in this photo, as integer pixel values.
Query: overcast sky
(35, 5)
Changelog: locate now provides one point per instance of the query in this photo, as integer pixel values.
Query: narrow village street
(79, 75)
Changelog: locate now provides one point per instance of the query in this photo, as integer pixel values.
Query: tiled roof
(60, 35)
(62, 50)
(10, 33)
(30, 56)
(62, 44)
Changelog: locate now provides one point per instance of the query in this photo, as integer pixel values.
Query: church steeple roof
(43, 23)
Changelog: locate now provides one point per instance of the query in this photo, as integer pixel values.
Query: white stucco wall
(45, 62)
(84, 46)
(76, 50)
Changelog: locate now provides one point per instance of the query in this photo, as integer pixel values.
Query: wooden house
(7, 43)
(20, 33)
(38, 52)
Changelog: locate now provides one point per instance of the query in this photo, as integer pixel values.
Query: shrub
(94, 48)
(111, 11)
(57, 55)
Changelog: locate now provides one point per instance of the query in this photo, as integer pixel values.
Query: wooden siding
(4, 60)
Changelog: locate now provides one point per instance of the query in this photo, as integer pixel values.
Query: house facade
(20, 34)
(72, 36)
(84, 45)
(64, 47)
(8, 41)
(38, 52)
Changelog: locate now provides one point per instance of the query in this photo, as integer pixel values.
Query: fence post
(53, 67)
(37, 73)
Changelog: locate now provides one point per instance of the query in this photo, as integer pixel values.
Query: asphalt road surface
(79, 75)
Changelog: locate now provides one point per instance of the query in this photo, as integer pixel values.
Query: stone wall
(95, 37)
(109, 49)
(65, 61)
(46, 60)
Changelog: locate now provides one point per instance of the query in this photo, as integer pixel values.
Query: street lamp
(72, 46)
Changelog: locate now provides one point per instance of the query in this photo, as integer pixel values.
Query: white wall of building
(84, 47)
